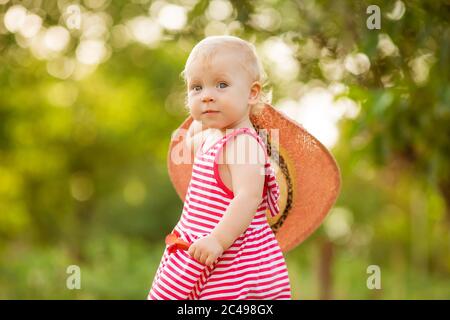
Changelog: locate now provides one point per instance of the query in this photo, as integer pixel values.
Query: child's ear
(255, 90)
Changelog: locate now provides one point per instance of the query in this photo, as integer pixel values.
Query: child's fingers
(198, 255)
(204, 257)
(191, 250)
(209, 261)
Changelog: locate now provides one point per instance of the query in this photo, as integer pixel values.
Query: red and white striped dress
(252, 268)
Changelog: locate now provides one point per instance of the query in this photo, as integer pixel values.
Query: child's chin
(212, 124)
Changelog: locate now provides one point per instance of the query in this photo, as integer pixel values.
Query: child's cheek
(195, 111)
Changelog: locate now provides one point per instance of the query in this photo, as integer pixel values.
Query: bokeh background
(90, 93)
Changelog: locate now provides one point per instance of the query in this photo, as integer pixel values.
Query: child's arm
(247, 185)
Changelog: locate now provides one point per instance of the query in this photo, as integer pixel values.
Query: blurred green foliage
(85, 129)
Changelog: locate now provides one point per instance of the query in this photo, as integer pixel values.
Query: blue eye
(195, 87)
(220, 83)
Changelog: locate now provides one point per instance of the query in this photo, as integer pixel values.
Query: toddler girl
(231, 251)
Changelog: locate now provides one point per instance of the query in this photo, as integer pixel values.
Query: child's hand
(206, 250)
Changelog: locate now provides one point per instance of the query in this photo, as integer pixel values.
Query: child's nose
(207, 97)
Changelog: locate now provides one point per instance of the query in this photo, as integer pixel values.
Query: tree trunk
(325, 269)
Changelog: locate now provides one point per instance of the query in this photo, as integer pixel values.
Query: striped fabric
(252, 268)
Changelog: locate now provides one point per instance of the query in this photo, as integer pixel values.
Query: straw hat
(307, 174)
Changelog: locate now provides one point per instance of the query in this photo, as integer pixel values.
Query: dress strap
(271, 187)
(248, 131)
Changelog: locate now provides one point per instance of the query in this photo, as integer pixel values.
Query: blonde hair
(209, 46)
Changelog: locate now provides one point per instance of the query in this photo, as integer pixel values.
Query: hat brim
(307, 174)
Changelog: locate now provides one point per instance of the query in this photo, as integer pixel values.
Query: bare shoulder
(196, 135)
(243, 149)
(245, 158)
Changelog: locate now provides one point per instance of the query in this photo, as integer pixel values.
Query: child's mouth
(210, 111)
